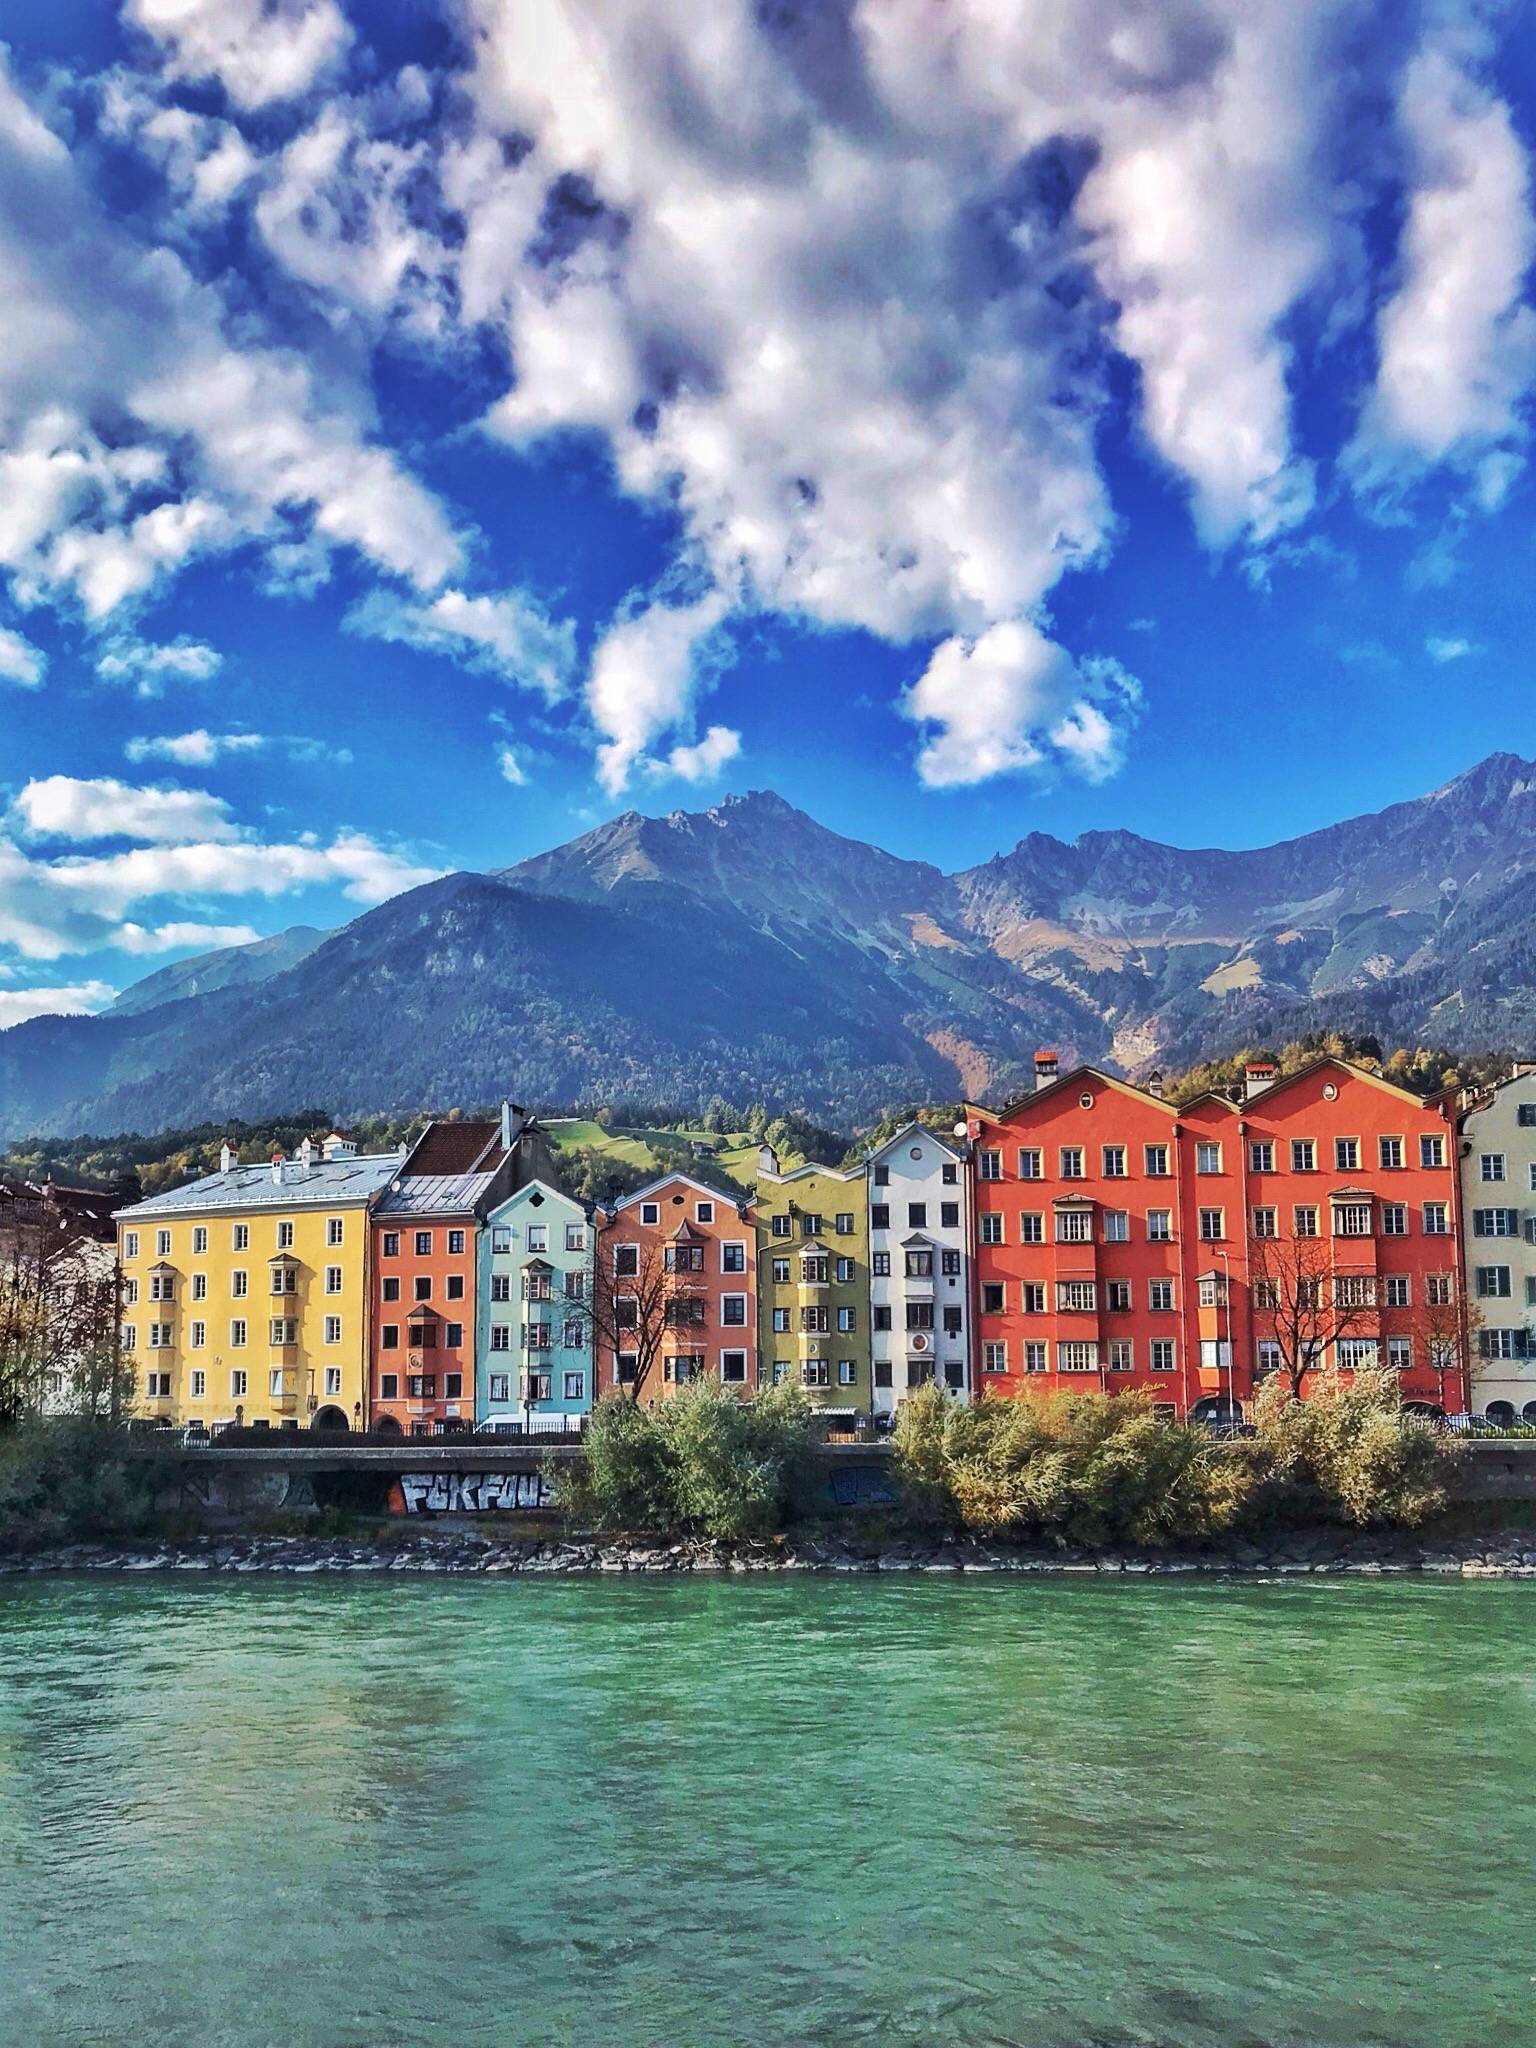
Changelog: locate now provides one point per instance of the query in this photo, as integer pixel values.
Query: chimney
(506, 1125)
(306, 1155)
(277, 1169)
(1045, 1069)
(1257, 1076)
(226, 1158)
(1155, 1084)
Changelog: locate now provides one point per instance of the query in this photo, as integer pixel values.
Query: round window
(1330, 1090)
(1085, 1100)
(916, 1152)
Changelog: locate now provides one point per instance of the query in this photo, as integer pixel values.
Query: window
(1159, 1226)
(1031, 1227)
(391, 1243)
(949, 1215)
(453, 1335)
(423, 1243)
(1154, 1159)
(919, 1265)
(333, 1279)
(1355, 1353)
(197, 1336)
(454, 1286)
(1213, 1225)
(334, 1229)
(575, 1237)
(200, 1238)
(810, 1224)
(1034, 1358)
(844, 1271)
(285, 1237)
(1432, 1149)
(1486, 1222)
(1266, 1293)
(1207, 1157)
(1389, 1153)
(1304, 1220)
(1117, 1226)
(1394, 1219)
(1160, 1295)
(683, 1258)
(992, 1297)
(1303, 1155)
(704, 1212)
(650, 1212)
(157, 1386)
(1074, 1226)
(1437, 1289)
(814, 1373)
(1076, 1296)
(1261, 1156)
(159, 1336)
(626, 1260)
(879, 1266)
(879, 1215)
(501, 1336)
(683, 1367)
(283, 1279)
(501, 1238)
(842, 1223)
(1437, 1219)
(1355, 1290)
(333, 1379)
(535, 1336)
(1077, 1355)
(781, 1271)
(1490, 1166)
(129, 1336)
(1492, 1282)
(574, 1384)
(499, 1385)
(991, 1222)
(733, 1311)
(1269, 1359)
(1216, 1354)
(501, 1288)
(130, 1244)
(780, 1225)
(1114, 1162)
(575, 1286)
(1117, 1297)
(333, 1329)
(1503, 1344)
(1346, 1155)
(1071, 1162)
(1032, 1297)
(882, 1372)
(1264, 1222)
(1031, 1163)
(198, 1385)
(917, 1215)
(879, 1318)
(1395, 1290)
(162, 1286)
(1400, 1354)
(1160, 1354)
(1351, 1219)
(848, 1320)
(237, 1333)
(882, 1176)
(919, 1315)
(241, 1238)
(283, 1330)
(238, 1381)
(389, 1337)
(1122, 1356)
(733, 1257)
(422, 1386)
(162, 1244)
(421, 1287)
(949, 1174)
(1213, 1293)
(994, 1357)
(989, 1165)
(130, 1291)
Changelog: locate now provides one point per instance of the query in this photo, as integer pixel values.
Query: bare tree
(1303, 1306)
(645, 1296)
(59, 1341)
(1442, 1326)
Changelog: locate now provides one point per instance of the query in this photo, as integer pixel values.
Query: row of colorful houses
(1092, 1233)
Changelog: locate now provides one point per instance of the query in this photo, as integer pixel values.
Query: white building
(919, 1266)
(1498, 1206)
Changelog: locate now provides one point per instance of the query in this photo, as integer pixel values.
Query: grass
(733, 1152)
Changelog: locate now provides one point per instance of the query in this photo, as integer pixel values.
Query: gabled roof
(1327, 1059)
(740, 1202)
(1075, 1079)
(940, 1138)
(782, 1180)
(519, 1198)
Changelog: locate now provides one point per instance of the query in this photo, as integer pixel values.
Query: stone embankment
(1510, 1554)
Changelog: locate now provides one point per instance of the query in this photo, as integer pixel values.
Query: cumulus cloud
(67, 807)
(510, 767)
(200, 749)
(79, 999)
(704, 760)
(1450, 649)
(180, 934)
(508, 634)
(20, 661)
(1457, 346)
(258, 50)
(148, 666)
(1010, 700)
(645, 673)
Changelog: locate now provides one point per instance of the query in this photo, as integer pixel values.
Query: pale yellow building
(245, 1293)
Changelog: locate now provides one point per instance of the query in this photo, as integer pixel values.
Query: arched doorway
(1501, 1412)
(1216, 1408)
(1528, 1412)
(387, 1426)
(330, 1418)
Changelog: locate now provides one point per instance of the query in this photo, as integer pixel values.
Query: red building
(1122, 1242)
(675, 1290)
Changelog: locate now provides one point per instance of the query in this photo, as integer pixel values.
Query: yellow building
(813, 1284)
(245, 1294)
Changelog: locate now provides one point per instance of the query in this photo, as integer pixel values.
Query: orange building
(1122, 1242)
(675, 1289)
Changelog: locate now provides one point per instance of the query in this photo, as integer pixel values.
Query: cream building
(1498, 1208)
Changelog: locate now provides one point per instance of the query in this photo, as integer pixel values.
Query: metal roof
(434, 1194)
(322, 1184)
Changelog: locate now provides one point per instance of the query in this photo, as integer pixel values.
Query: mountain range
(748, 952)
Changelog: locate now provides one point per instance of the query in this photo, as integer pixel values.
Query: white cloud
(20, 661)
(67, 807)
(1457, 346)
(509, 635)
(149, 666)
(645, 672)
(512, 769)
(80, 999)
(200, 749)
(1013, 700)
(1448, 650)
(705, 759)
(168, 938)
(258, 50)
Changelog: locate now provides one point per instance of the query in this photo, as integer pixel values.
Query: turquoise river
(337, 1813)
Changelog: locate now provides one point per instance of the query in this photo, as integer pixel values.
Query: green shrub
(703, 1462)
(920, 1468)
(1349, 1451)
(69, 1479)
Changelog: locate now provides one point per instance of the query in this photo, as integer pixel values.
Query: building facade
(1498, 1200)
(675, 1289)
(1123, 1242)
(920, 1236)
(533, 1312)
(426, 1227)
(813, 1283)
(244, 1293)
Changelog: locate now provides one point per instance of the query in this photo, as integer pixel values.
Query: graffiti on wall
(470, 1493)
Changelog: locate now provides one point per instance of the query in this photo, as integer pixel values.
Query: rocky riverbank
(1510, 1554)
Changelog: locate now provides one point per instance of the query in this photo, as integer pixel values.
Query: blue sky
(426, 430)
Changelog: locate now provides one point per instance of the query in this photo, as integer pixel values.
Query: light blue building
(534, 1362)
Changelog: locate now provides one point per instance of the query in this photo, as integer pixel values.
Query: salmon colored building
(1125, 1242)
(675, 1290)
(422, 1273)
